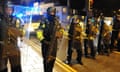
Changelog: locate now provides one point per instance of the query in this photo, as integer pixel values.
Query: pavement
(102, 63)
(31, 61)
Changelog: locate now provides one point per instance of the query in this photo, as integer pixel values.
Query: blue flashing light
(19, 15)
(24, 13)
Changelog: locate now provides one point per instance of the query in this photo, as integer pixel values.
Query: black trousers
(118, 45)
(92, 48)
(106, 47)
(113, 38)
(15, 62)
(86, 47)
(48, 66)
(99, 47)
(78, 46)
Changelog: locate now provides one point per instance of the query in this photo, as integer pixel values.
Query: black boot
(79, 61)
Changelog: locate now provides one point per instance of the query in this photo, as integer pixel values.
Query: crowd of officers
(89, 36)
(92, 37)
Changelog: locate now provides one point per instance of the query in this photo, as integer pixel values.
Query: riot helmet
(118, 15)
(51, 10)
(76, 19)
(9, 8)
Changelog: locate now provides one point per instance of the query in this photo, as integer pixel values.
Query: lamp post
(68, 6)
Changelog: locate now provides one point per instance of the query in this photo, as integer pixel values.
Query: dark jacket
(9, 34)
(50, 40)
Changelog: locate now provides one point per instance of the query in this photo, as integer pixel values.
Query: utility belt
(8, 42)
(115, 29)
(91, 36)
(77, 38)
(11, 41)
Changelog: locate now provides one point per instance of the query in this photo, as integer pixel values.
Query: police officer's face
(52, 13)
(89, 21)
(9, 11)
(76, 20)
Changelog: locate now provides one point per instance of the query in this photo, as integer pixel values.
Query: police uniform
(9, 47)
(74, 40)
(118, 41)
(115, 32)
(89, 42)
(50, 25)
(106, 38)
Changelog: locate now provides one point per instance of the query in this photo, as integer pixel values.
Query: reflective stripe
(43, 26)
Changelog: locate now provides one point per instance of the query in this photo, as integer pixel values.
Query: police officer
(75, 40)
(106, 38)
(115, 31)
(50, 26)
(117, 23)
(1, 29)
(10, 49)
(91, 31)
(118, 41)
